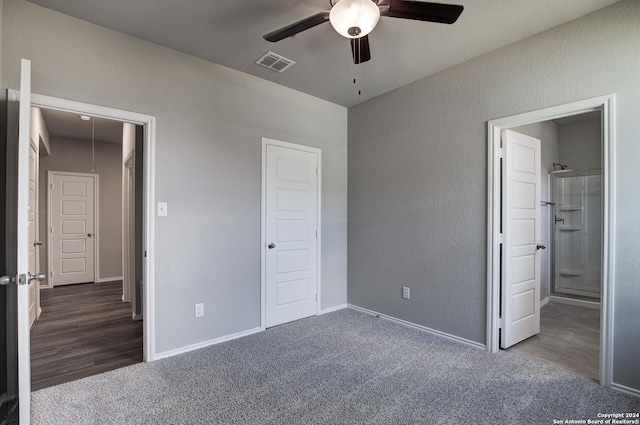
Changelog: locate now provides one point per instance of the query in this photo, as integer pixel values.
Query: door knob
(540, 246)
(271, 245)
(89, 234)
(5, 280)
(38, 277)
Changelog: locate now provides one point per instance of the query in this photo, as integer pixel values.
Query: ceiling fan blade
(360, 49)
(423, 11)
(296, 27)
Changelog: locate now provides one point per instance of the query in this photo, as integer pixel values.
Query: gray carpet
(344, 367)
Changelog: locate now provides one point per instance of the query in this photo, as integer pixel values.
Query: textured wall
(209, 129)
(418, 167)
(75, 156)
(580, 144)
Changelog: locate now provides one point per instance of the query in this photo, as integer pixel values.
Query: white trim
(334, 308)
(149, 123)
(109, 279)
(494, 127)
(263, 241)
(624, 389)
(420, 327)
(96, 222)
(574, 301)
(204, 344)
(544, 302)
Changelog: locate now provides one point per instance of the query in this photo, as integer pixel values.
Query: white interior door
(291, 234)
(521, 235)
(72, 231)
(34, 242)
(23, 278)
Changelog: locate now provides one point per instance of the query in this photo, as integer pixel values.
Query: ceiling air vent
(274, 61)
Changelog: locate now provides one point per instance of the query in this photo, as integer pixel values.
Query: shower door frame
(606, 105)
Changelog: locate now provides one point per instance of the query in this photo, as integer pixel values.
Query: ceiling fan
(355, 19)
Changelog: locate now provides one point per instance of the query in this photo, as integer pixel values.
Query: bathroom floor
(569, 336)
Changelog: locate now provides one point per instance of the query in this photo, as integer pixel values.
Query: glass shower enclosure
(577, 233)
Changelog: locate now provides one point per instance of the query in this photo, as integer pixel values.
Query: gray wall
(75, 156)
(547, 132)
(580, 145)
(210, 121)
(418, 174)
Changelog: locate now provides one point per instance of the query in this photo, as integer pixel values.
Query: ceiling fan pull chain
(357, 51)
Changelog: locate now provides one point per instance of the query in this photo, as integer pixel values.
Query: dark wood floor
(569, 336)
(84, 330)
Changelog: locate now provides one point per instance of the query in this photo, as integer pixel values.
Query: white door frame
(149, 124)
(96, 222)
(263, 227)
(606, 105)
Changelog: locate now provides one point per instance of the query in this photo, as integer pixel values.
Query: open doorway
(571, 234)
(90, 318)
(497, 318)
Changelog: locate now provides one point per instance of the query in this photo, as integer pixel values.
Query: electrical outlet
(406, 293)
(199, 310)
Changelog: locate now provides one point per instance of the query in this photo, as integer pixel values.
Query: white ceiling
(70, 126)
(229, 32)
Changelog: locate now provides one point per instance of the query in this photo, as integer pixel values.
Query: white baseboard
(544, 302)
(204, 344)
(624, 389)
(136, 316)
(420, 327)
(109, 279)
(332, 309)
(573, 301)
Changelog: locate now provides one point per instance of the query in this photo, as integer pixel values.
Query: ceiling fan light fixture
(354, 18)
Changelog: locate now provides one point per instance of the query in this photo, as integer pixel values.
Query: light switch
(162, 209)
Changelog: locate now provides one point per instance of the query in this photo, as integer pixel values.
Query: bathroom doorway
(571, 232)
(603, 106)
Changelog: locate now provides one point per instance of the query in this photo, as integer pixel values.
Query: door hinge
(51, 273)
(500, 322)
(501, 152)
(316, 234)
(51, 186)
(500, 238)
(145, 253)
(51, 230)
(316, 297)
